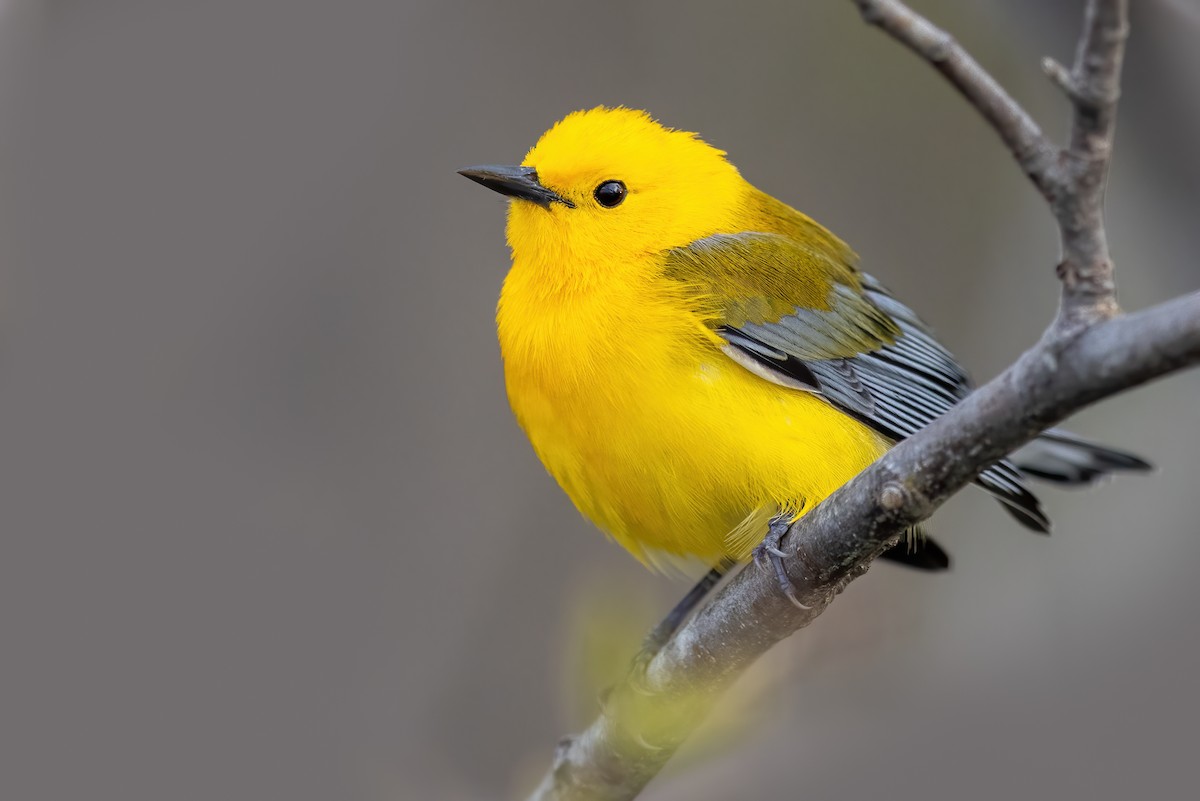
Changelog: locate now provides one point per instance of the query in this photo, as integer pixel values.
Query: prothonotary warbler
(693, 359)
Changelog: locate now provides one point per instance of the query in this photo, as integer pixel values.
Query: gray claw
(791, 596)
(768, 550)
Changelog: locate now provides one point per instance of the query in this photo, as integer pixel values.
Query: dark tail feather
(1005, 483)
(1057, 456)
(1064, 458)
(919, 551)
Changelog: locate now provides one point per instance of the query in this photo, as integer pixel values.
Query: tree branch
(644, 723)
(1071, 179)
(1035, 154)
(1086, 270)
(1090, 352)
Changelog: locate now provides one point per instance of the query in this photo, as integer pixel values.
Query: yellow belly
(667, 444)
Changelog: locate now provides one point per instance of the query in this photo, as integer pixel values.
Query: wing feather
(835, 332)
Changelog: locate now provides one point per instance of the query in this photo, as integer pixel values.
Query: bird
(698, 364)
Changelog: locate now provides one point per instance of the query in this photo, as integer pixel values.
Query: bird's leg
(658, 637)
(768, 551)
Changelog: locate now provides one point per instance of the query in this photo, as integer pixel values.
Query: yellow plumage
(691, 357)
(655, 434)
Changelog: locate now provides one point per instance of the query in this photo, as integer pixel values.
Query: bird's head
(613, 183)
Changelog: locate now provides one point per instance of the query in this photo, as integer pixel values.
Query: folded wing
(804, 318)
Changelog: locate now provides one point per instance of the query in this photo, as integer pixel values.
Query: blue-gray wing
(897, 388)
(799, 314)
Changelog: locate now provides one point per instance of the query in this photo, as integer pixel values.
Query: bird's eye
(610, 193)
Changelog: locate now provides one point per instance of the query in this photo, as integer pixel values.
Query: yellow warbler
(693, 359)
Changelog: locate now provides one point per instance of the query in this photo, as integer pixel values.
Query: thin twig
(1088, 354)
(1086, 270)
(1071, 179)
(1035, 153)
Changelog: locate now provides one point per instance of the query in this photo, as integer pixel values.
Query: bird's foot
(768, 554)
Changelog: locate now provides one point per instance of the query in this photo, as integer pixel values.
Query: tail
(1064, 458)
(1057, 456)
(917, 549)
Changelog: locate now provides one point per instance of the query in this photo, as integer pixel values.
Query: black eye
(610, 193)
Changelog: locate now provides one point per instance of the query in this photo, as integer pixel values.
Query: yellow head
(609, 185)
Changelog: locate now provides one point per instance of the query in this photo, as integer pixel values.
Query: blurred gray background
(270, 531)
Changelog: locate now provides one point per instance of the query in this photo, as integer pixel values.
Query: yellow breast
(657, 436)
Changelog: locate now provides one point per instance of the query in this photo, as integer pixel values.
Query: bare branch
(1089, 353)
(645, 722)
(1071, 179)
(1061, 77)
(1036, 154)
(1089, 292)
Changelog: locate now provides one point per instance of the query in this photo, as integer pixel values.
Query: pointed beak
(518, 182)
